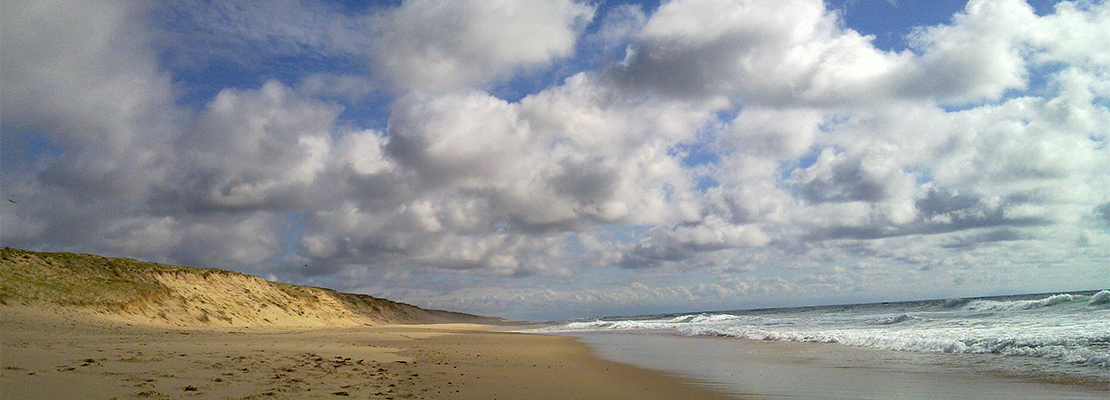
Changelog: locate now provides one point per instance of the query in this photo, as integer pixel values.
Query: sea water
(1056, 339)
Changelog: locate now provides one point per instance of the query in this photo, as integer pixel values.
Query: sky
(547, 159)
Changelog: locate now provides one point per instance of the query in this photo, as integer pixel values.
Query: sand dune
(83, 326)
(136, 292)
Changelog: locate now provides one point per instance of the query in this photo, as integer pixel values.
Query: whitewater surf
(1061, 338)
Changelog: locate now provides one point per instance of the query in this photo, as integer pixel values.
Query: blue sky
(559, 158)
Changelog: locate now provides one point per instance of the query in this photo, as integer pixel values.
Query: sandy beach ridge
(130, 291)
(85, 326)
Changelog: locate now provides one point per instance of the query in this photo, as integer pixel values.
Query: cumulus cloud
(472, 139)
(836, 177)
(774, 133)
(73, 159)
(797, 53)
(999, 235)
(251, 150)
(684, 241)
(110, 163)
(55, 82)
(429, 45)
(717, 150)
(769, 53)
(1068, 34)
(484, 183)
(419, 45)
(978, 56)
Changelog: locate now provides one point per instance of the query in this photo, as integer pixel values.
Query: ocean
(1028, 346)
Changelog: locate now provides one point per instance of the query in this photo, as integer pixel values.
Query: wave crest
(1100, 298)
(891, 320)
(1014, 305)
(1069, 328)
(953, 303)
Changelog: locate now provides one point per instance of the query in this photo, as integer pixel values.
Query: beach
(85, 326)
(53, 353)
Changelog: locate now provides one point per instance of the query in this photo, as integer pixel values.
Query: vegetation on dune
(77, 279)
(178, 295)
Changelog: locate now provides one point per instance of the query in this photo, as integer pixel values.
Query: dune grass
(115, 284)
(76, 279)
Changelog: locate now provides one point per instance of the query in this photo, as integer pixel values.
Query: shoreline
(781, 369)
(42, 348)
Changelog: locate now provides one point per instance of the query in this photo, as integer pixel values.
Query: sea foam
(1068, 328)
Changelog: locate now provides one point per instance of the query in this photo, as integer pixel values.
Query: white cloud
(774, 133)
(720, 149)
(363, 153)
(714, 233)
(222, 241)
(795, 53)
(419, 45)
(978, 56)
(762, 52)
(1073, 33)
(56, 82)
(148, 238)
(256, 149)
(874, 176)
(472, 139)
(430, 45)
(626, 139)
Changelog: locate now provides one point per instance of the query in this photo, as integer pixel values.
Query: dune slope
(133, 291)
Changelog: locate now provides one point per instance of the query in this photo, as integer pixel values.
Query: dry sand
(58, 354)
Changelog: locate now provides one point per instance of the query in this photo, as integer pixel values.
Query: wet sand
(49, 354)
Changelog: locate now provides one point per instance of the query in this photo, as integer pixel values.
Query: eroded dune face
(155, 294)
(217, 299)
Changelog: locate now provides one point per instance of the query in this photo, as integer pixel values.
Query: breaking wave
(1064, 328)
(1100, 298)
(992, 305)
(893, 320)
(953, 303)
